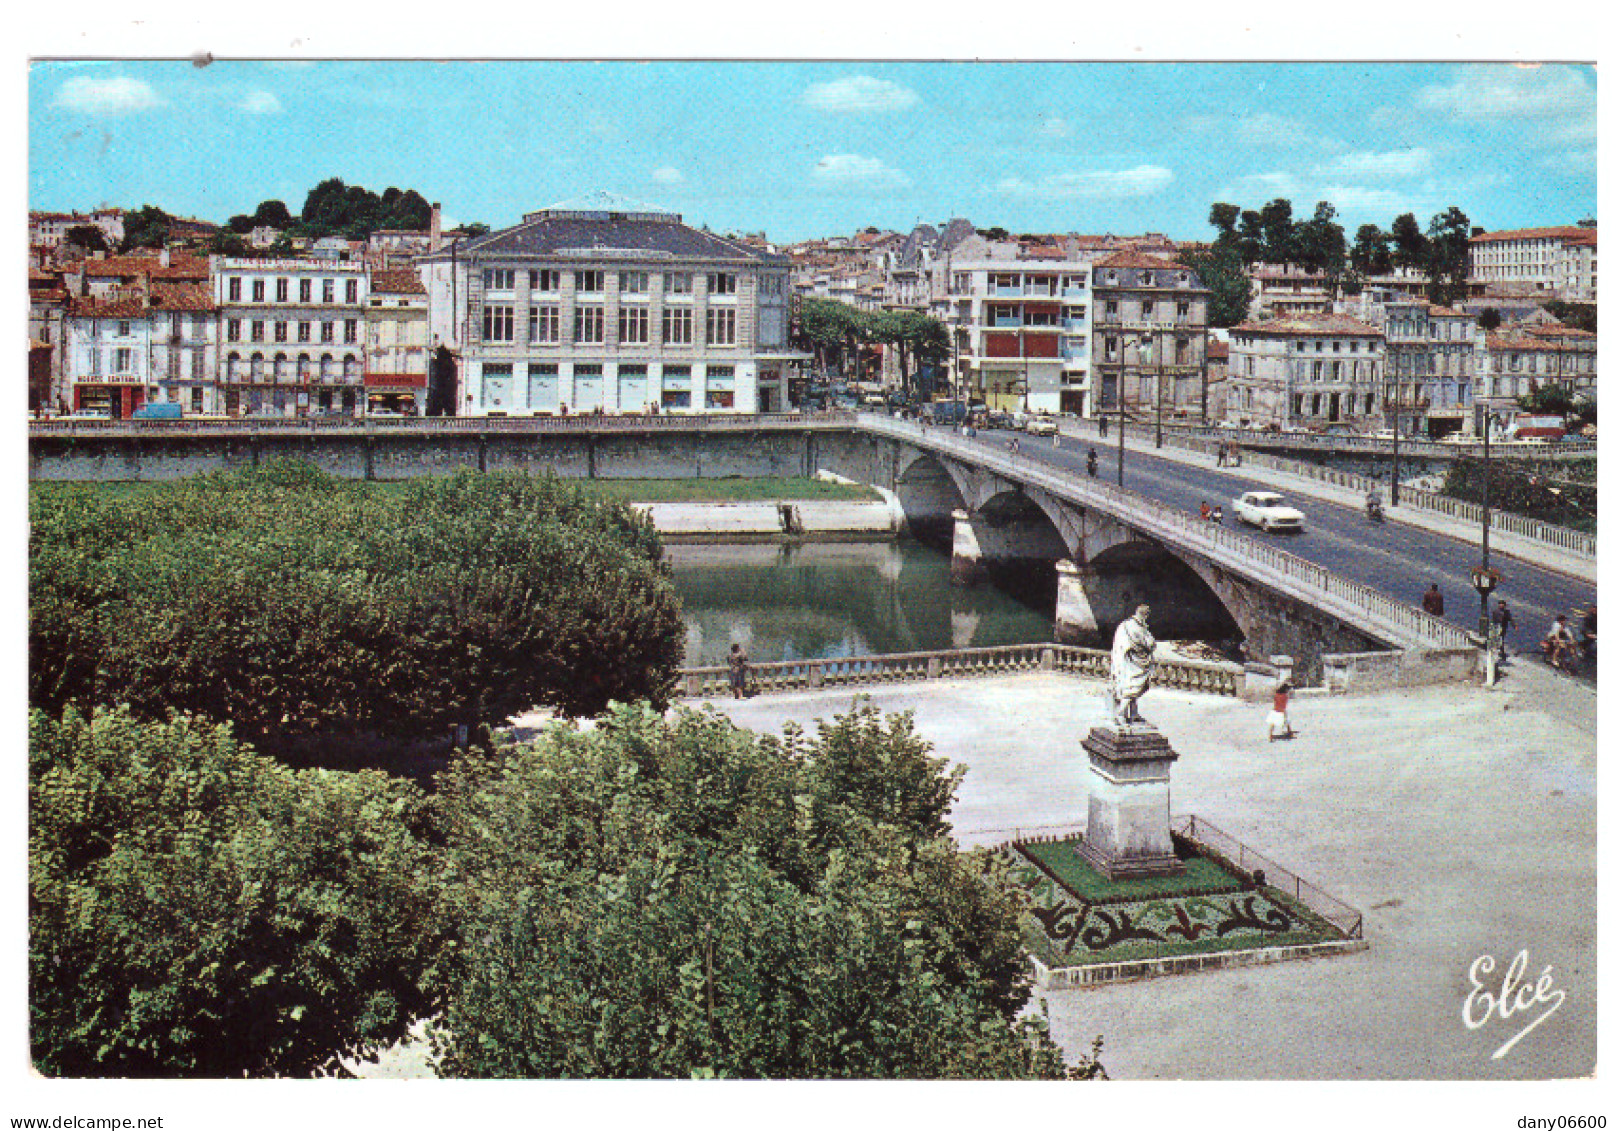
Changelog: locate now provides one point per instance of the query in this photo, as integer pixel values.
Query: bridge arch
(928, 494)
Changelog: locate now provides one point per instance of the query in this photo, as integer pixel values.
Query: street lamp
(1484, 581)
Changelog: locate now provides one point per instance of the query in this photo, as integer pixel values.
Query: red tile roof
(1131, 258)
(1310, 324)
(401, 282)
(1570, 233)
(180, 267)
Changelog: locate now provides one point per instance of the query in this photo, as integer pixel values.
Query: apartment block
(1151, 336)
(1309, 371)
(1557, 262)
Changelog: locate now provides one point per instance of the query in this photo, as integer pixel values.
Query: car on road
(1041, 426)
(1267, 511)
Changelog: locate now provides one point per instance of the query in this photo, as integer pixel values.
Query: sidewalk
(1500, 542)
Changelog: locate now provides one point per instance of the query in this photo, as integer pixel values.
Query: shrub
(196, 909)
(682, 898)
(308, 611)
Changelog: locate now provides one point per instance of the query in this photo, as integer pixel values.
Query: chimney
(163, 258)
(435, 238)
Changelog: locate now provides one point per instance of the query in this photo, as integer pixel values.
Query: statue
(1132, 647)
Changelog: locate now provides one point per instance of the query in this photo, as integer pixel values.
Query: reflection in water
(825, 600)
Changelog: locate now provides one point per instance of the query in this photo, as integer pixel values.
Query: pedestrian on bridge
(1433, 601)
(1090, 463)
(1503, 620)
(1223, 456)
(1014, 445)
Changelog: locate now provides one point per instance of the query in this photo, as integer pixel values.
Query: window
(772, 285)
(280, 290)
(258, 290)
(1183, 309)
(351, 291)
(721, 391)
(545, 324)
(961, 283)
(676, 386)
(1112, 306)
(233, 289)
(499, 279)
(497, 323)
(328, 290)
(677, 284)
(256, 330)
(721, 283)
(326, 331)
(351, 330)
(632, 282)
(547, 280)
(233, 329)
(1147, 306)
(634, 325)
(123, 361)
(303, 331)
(303, 290)
(590, 324)
(123, 329)
(676, 326)
(280, 331)
(589, 282)
(721, 327)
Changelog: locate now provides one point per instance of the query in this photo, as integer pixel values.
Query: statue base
(1128, 835)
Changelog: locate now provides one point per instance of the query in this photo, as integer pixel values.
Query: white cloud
(1367, 165)
(668, 175)
(859, 94)
(106, 96)
(1142, 180)
(861, 174)
(261, 102)
(1505, 90)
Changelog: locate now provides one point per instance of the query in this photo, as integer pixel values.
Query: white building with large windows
(603, 305)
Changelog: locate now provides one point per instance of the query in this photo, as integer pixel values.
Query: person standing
(1503, 620)
(1207, 511)
(1090, 463)
(1433, 601)
(1280, 723)
(1103, 427)
(738, 671)
(1219, 461)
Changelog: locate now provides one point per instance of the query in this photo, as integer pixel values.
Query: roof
(180, 266)
(559, 232)
(1311, 324)
(1131, 258)
(163, 298)
(402, 282)
(1518, 340)
(1569, 232)
(1218, 350)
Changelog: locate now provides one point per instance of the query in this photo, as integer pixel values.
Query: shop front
(117, 401)
(405, 394)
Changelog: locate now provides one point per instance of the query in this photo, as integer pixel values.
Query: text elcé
(1514, 997)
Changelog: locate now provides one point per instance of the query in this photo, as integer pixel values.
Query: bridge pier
(966, 555)
(1075, 616)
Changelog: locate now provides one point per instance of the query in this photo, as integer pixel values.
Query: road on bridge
(1399, 560)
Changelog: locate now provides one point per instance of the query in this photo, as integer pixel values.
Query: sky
(798, 150)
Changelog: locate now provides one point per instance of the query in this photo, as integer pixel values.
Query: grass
(1061, 858)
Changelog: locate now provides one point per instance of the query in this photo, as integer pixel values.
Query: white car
(1267, 511)
(1041, 426)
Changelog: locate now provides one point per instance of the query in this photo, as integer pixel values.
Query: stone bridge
(1104, 550)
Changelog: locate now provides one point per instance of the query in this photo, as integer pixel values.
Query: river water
(833, 599)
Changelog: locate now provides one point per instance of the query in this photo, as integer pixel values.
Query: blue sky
(806, 149)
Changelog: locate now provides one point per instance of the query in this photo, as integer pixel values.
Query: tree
(322, 617)
(1448, 246)
(832, 330)
(1279, 232)
(1223, 218)
(241, 225)
(1320, 245)
(146, 226)
(1489, 319)
(1371, 254)
(1409, 244)
(719, 903)
(273, 214)
(197, 910)
(1250, 237)
(1221, 270)
(86, 236)
(474, 230)
(995, 233)
(228, 243)
(1579, 315)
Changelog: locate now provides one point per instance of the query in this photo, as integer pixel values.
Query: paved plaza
(1461, 821)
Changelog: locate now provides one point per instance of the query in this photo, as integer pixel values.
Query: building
(1521, 357)
(1020, 330)
(47, 313)
(291, 338)
(1286, 290)
(1432, 365)
(396, 330)
(1559, 262)
(1305, 372)
(49, 229)
(1151, 336)
(151, 343)
(606, 305)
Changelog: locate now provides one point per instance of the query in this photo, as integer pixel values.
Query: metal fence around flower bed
(1212, 840)
(956, 663)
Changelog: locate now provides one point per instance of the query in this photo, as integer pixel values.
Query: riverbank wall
(819, 520)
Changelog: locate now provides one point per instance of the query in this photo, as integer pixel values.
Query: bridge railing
(1258, 437)
(1323, 588)
(955, 663)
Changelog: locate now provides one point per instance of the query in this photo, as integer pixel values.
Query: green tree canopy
(1448, 244)
(1371, 254)
(1222, 271)
(1489, 319)
(680, 898)
(146, 226)
(273, 214)
(1409, 243)
(1279, 231)
(1223, 218)
(87, 236)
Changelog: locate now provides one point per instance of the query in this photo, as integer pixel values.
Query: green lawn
(1062, 859)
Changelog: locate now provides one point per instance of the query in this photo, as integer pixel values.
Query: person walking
(1090, 463)
(738, 671)
(1503, 620)
(1014, 445)
(1103, 427)
(1223, 451)
(1207, 511)
(1433, 601)
(1279, 722)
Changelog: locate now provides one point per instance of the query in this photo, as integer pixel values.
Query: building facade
(1151, 336)
(1433, 355)
(1519, 358)
(1559, 262)
(605, 305)
(291, 338)
(396, 330)
(1306, 372)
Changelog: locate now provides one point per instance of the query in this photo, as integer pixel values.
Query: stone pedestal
(1128, 834)
(1075, 616)
(966, 556)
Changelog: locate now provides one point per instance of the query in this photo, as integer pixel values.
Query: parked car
(1267, 511)
(1041, 426)
(159, 411)
(90, 414)
(1000, 420)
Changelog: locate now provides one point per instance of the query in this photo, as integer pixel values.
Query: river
(831, 599)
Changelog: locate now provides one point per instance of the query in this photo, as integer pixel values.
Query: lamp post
(1158, 439)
